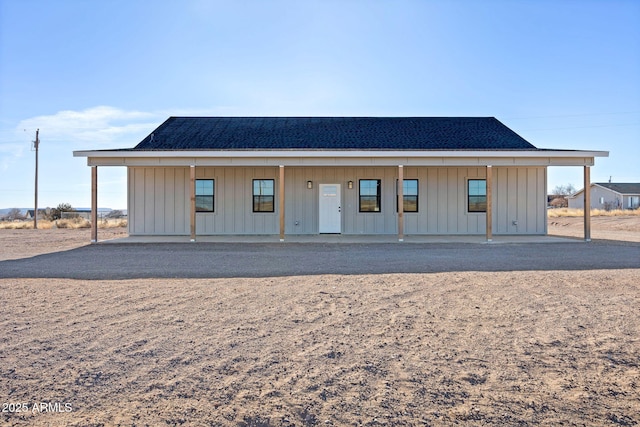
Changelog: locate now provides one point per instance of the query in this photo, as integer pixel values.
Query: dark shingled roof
(333, 133)
(621, 187)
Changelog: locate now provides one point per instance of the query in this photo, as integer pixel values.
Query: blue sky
(103, 74)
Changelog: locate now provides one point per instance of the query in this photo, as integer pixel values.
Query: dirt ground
(469, 348)
(625, 228)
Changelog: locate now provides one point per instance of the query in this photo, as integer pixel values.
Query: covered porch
(282, 161)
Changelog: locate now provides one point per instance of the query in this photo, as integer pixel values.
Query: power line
(583, 127)
(559, 116)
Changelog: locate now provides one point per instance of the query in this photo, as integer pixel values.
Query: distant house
(41, 213)
(337, 175)
(609, 195)
(76, 213)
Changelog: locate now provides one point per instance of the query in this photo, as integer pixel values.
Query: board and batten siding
(159, 200)
(601, 198)
(233, 202)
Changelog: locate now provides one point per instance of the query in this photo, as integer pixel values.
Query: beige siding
(159, 200)
(233, 209)
(520, 201)
(601, 198)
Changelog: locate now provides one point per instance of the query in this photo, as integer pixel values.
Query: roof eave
(348, 158)
(339, 153)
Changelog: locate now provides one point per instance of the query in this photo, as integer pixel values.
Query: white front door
(329, 217)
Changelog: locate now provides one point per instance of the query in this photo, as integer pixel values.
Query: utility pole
(35, 208)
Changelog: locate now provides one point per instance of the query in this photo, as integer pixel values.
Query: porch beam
(489, 182)
(587, 204)
(94, 204)
(192, 204)
(400, 203)
(281, 205)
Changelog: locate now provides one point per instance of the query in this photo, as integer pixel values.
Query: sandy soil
(16, 244)
(460, 348)
(626, 228)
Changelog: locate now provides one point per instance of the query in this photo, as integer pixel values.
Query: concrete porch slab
(342, 238)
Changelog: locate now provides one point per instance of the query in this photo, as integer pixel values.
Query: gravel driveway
(218, 260)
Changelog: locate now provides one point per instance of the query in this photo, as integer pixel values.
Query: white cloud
(101, 127)
(104, 126)
(92, 128)
(95, 127)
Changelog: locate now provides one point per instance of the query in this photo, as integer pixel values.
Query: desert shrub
(25, 225)
(112, 223)
(562, 212)
(73, 223)
(556, 213)
(15, 225)
(615, 212)
(61, 223)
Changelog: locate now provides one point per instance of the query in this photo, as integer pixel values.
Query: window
(263, 195)
(409, 195)
(370, 195)
(204, 195)
(477, 195)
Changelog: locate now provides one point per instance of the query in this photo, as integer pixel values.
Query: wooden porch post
(489, 183)
(281, 205)
(94, 204)
(400, 204)
(192, 204)
(587, 204)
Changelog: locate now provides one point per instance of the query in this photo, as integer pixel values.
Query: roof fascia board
(341, 153)
(339, 161)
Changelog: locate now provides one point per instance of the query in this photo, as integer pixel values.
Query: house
(351, 175)
(609, 195)
(76, 213)
(41, 213)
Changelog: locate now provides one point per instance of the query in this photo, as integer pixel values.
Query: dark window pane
(410, 204)
(204, 203)
(263, 204)
(263, 195)
(410, 195)
(369, 195)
